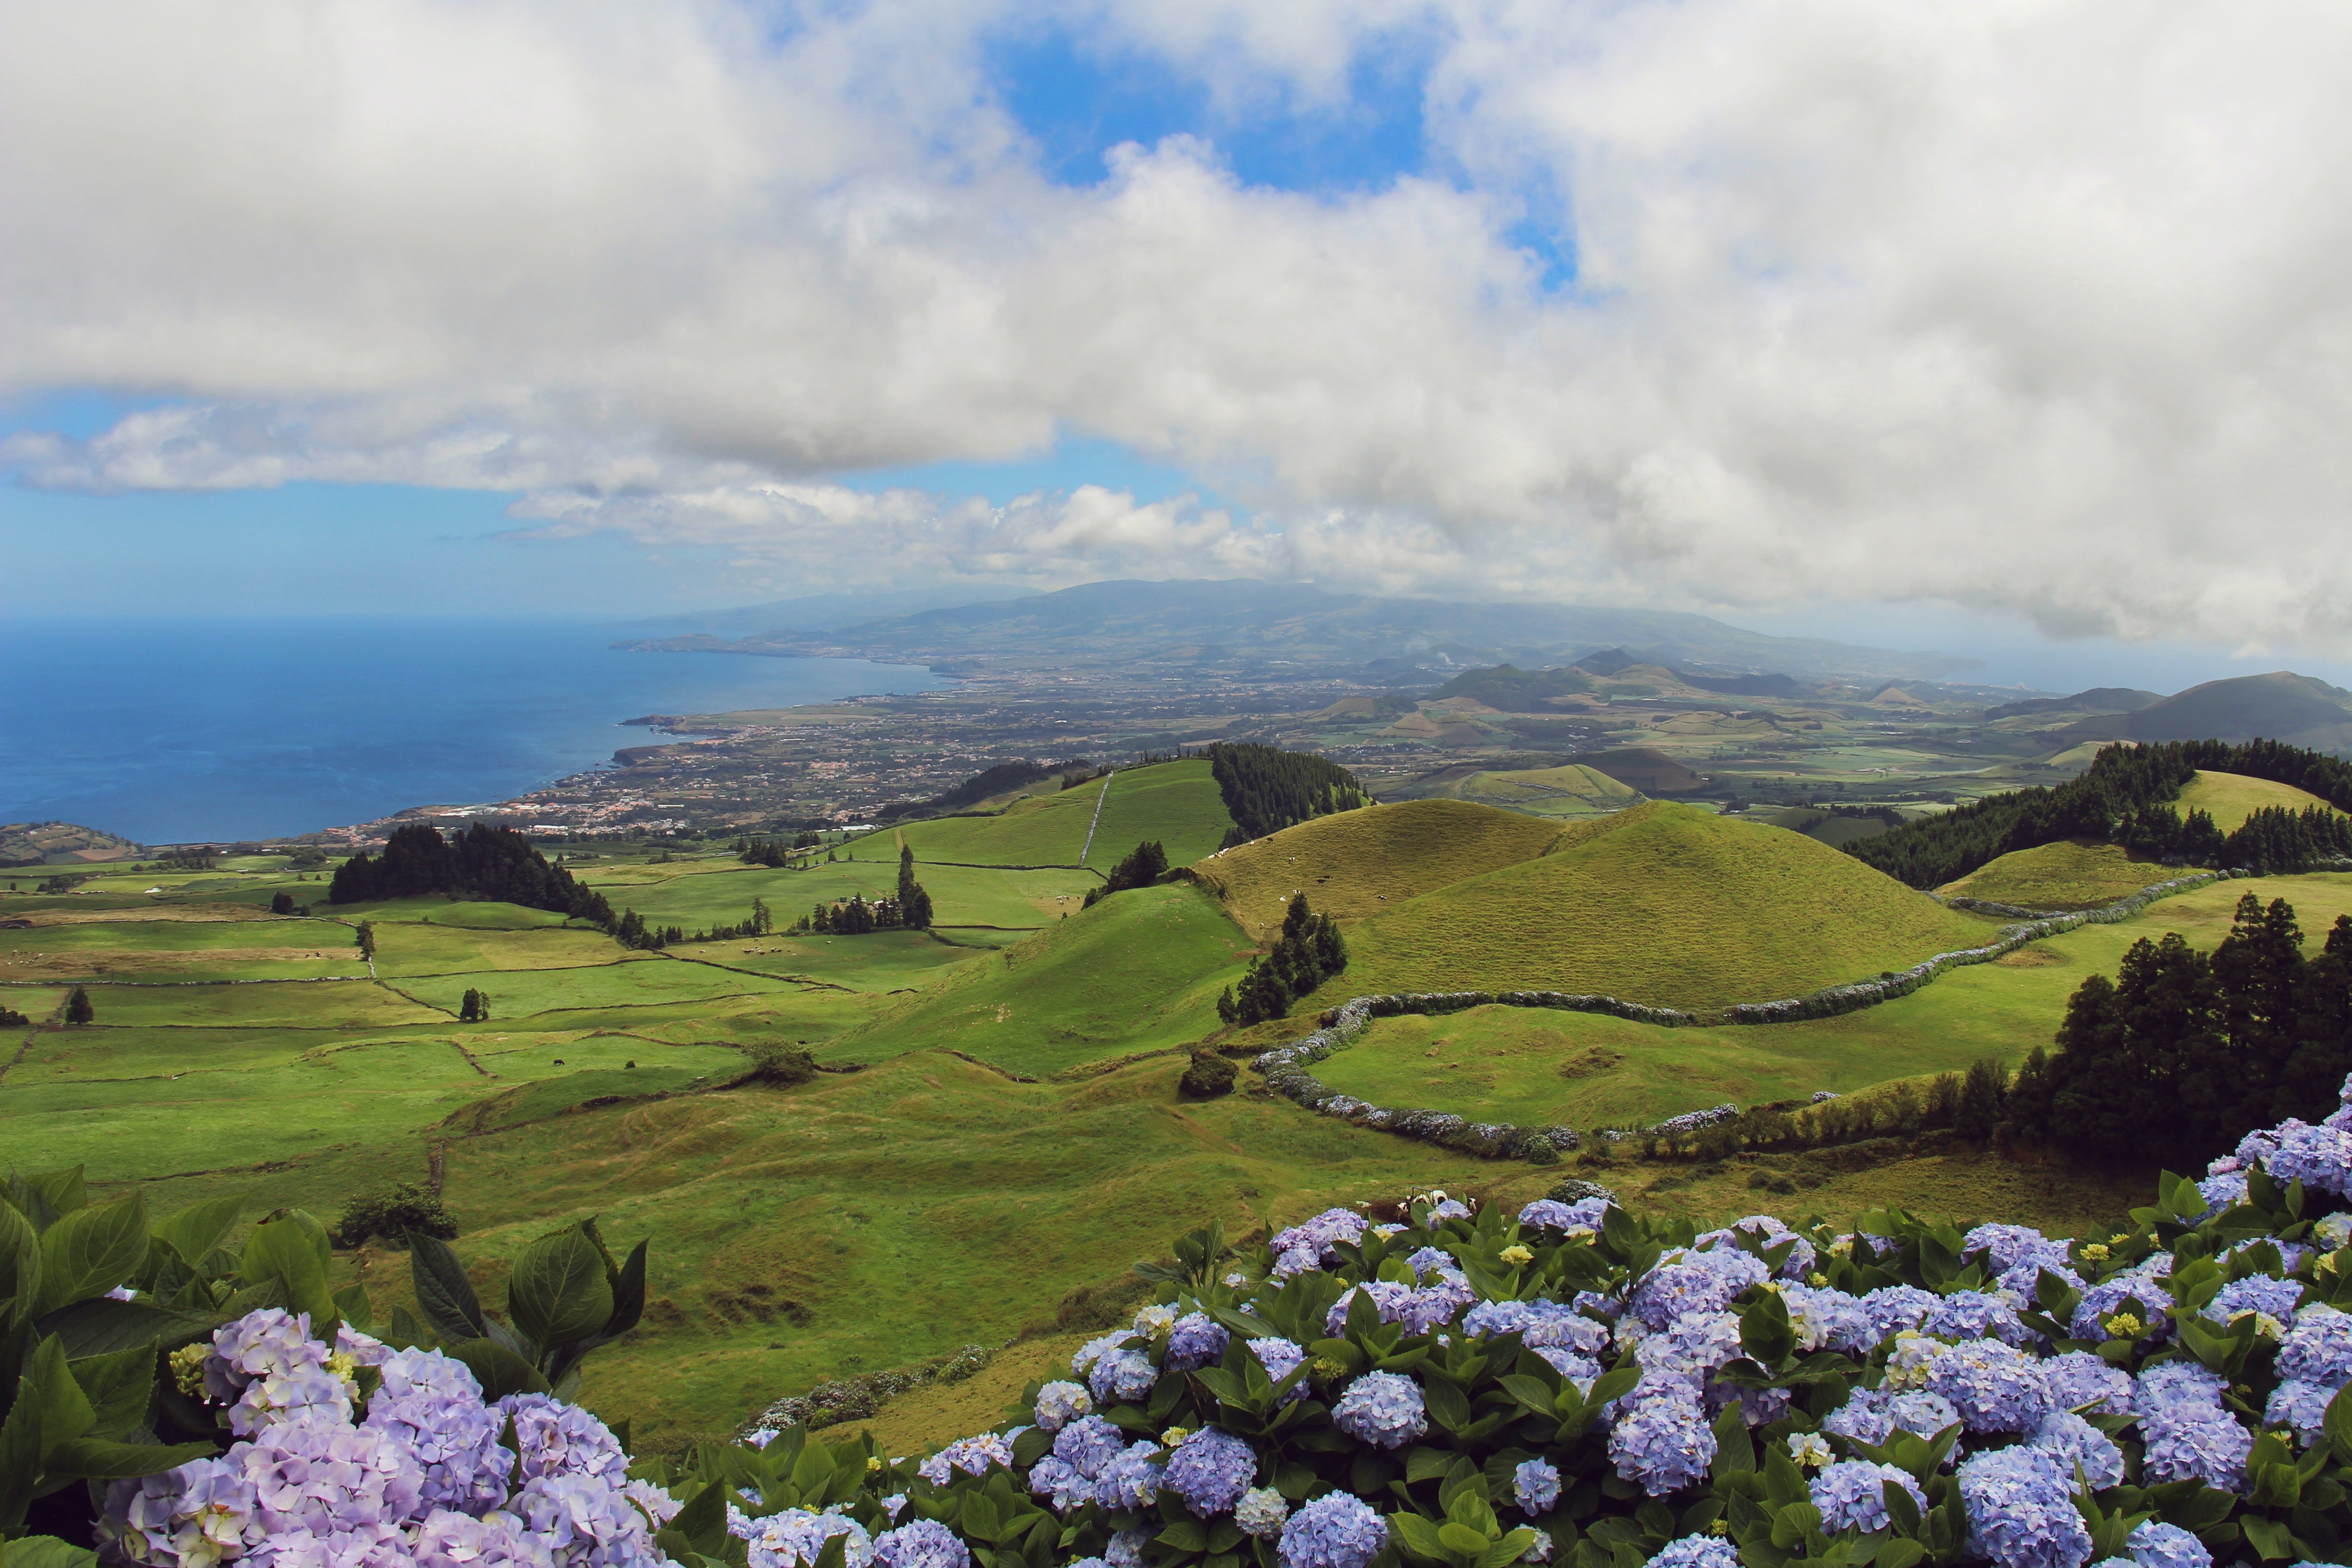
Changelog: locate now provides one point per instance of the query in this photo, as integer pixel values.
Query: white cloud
(2036, 307)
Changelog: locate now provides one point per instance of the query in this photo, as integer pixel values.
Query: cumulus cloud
(2034, 306)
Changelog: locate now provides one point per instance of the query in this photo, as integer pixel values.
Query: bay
(179, 730)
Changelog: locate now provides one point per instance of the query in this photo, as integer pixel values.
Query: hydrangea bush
(1567, 1384)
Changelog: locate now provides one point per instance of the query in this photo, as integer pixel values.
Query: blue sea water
(173, 731)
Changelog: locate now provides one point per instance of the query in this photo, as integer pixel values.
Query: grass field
(1138, 971)
(2073, 874)
(1175, 803)
(1663, 904)
(2231, 798)
(1358, 863)
(1572, 791)
(1041, 830)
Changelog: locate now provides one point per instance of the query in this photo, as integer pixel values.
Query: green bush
(775, 1062)
(390, 1214)
(1208, 1077)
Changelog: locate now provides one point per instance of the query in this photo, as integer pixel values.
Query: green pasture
(882, 960)
(2231, 798)
(2071, 874)
(960, 895)
(410, 948)
(637, 981)
(436, 910)
(1140, 971)
(1178, 804)
(294, 1003)
(1662, 904)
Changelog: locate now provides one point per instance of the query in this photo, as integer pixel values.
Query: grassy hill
(1138, 971)
(1643, 768)
(1570, 791)
(2074, 874)
(2232, 798)
(1176, 803)
(1667, 904)
(2296, 708)
(1357, 863)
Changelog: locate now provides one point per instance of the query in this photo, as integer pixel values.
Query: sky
(2023, 323)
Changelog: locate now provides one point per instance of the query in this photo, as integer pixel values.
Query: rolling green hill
(1138, 971)
(2071, 874)
(1664, 904)
(1176, 803)
(2231, 798)
(1357, 863)
(1570, 791)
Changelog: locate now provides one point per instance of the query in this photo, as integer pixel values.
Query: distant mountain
(2098, 700)
(60, 844)
(820, 612)
(1607, 661)
(2281, 706)
(1508, 689)
(1743, 685)
(1251, 628)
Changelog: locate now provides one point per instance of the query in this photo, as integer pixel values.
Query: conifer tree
(78, 1007)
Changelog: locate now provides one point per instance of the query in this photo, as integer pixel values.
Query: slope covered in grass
(1572, 791)
(1140, 970)
(1357, 863)
(2071, 874)
(1176, 803)
(1041, 830)
(1664, 904)
(2231, 798)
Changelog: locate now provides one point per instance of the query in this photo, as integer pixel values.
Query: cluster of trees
(1309, 952)
(482, 862)
(2185, 1052)
(1267, 789)
(392, 1214)
(2129, 791)
(284, 904)
(12, 1019)
(910, 910)
(633, 930)
(774, 853)
(1145, 864)
(474, 1007)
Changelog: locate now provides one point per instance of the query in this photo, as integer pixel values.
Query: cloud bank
(2029, 307)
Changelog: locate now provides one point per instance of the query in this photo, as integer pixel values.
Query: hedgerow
(1459, 1387)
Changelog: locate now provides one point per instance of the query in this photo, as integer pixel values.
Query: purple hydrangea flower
(1058, 1482)
(2156, 1544)
(791, 1538)
(1318, 1235)
(2188, 1441)
(2318, 1349)
(1390, 1298)
(305, 1393)
(1537, 1323)
(1126, 1550)
(1280, 1358)
(1383, 1409)
(427, 1372)
(317, 1477)
(1662, 1439)
(1121, 1375)
(1088, 1444)
(1570, 1365)
(974, 1455)
(1897, 1307)
(1551, 1214)
(2080, 1379)
(1852, 1494)
(1196, 1340)
(1429, 1260)
(1995, 1387)
(1210, 1469)
(2222, 1189)
(924, 1543)
(559, 1439)
(197, 1514)
(1335, 1530)
(2010, 1245)
(2020, 1509)
(269, 1343)
(1700, 1282)
(1696, 1552)
(1131, 1480)
(2300, 1405)
(2076, 1441)
(1445, 1209)
(1863, 1417)
(1978, 1315)
(1534, 1487)
(457, 1441)
(2318, 1157)
(453, 1539)
(2256, 1293)
(1059, 1404)
(1772, 1232)
(2179, 1383)
(2110, 1295)
(1922, 1412)
(1826, 1317)
(1296, 1261)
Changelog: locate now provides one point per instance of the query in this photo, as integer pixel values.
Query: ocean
(173, 731)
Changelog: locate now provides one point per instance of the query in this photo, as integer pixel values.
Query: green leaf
(2339, 1425)
(2269, 1538)
(1461, 1538)
(1182, 1535)
(628, 1294)
(56, 1399)
(20, 1266)
(1446, 1404)
(500, 1370)
(59, 1193)
(100, 1326)
(1734, 1451)
(117, 1387)
(282, 1250)
(1417, 1536)
(196, 1231)
(444, 1295)
(1508, 1550)
(91, 1250)
(559, 1291)
(97, 1459)
(1899, 1554)
(45, 1552)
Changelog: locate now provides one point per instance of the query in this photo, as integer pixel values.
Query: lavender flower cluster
(418, 1475)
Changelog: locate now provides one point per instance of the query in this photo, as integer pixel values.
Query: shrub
(1208, 1077)
(281, 904)
(1983, 1094)
(78, 1009)
(775, 1062)
(392, 1213)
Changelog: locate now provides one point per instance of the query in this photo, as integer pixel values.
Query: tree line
(774, 853)
(497, 864)
(2183, 1052)
(910, 910)
(1267, 789)
(1309, 952)
(2127, 795)
(1144, 865)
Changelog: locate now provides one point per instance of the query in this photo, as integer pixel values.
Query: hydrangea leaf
(45, 1552)
(558, 1292)
(90, 1251)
